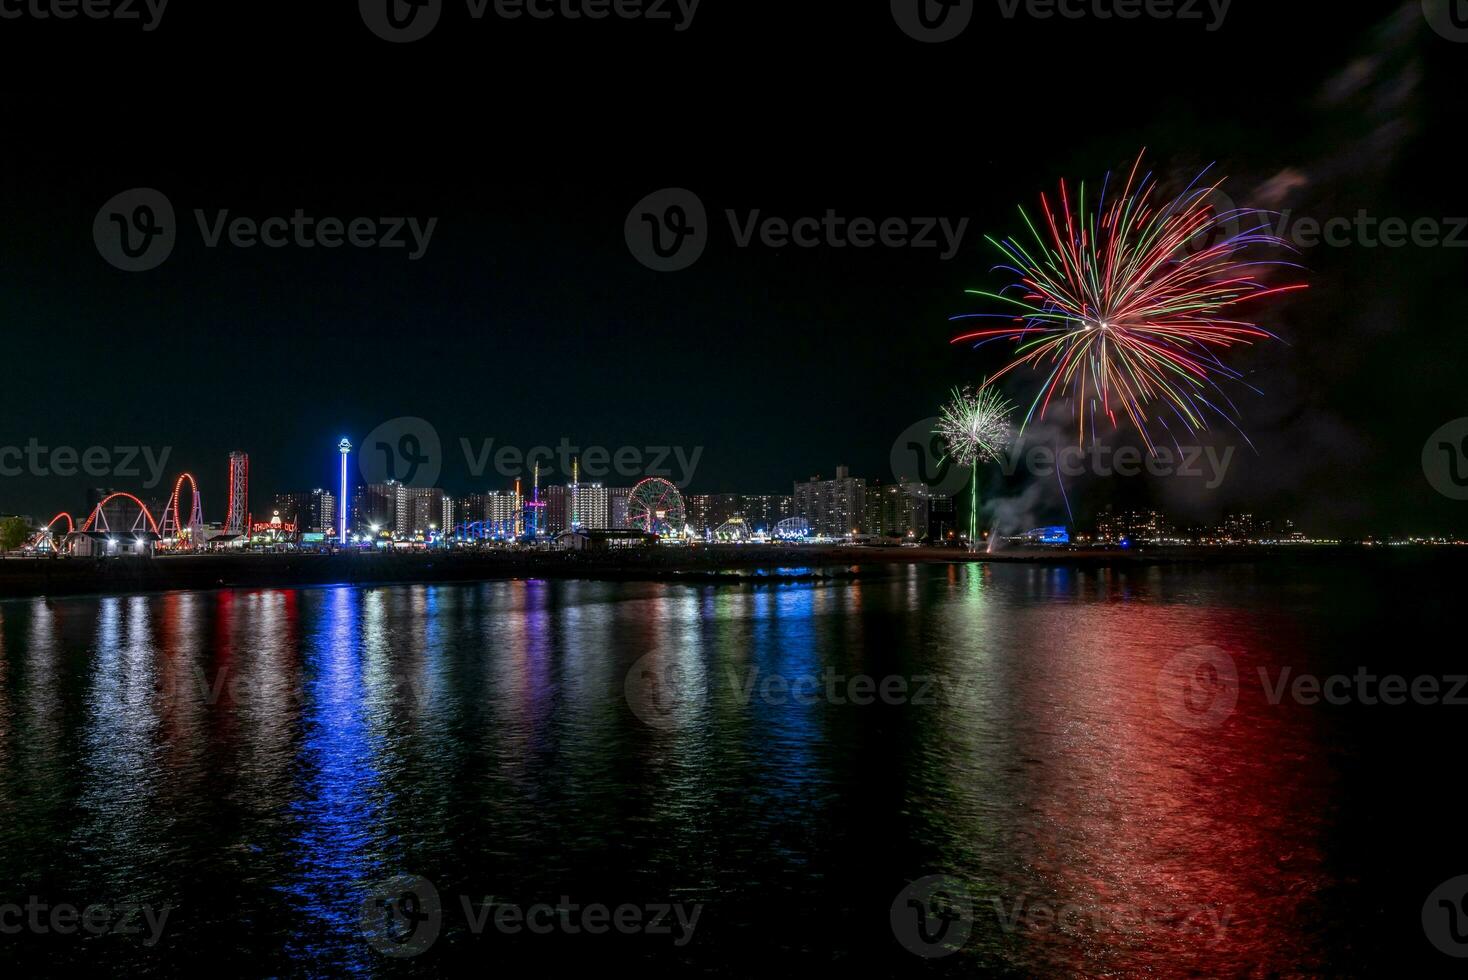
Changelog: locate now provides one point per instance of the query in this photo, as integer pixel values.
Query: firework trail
(975, 429)
(1127, 309)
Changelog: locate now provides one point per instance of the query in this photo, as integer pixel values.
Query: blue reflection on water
(341, 800)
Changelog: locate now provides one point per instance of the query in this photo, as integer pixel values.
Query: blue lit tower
(345, 448)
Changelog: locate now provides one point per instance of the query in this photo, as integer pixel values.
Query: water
(258, 762)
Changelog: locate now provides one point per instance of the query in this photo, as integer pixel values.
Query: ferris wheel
(656, 506)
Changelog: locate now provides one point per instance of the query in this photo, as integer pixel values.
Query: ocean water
(927, 770)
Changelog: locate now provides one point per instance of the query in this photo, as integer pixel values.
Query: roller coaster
(173, 534)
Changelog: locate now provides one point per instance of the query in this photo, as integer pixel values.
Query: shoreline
(22, 578)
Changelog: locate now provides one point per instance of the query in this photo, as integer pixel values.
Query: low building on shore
(111, 544)
(604, 539)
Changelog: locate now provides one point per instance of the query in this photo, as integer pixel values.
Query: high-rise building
(557, 509)
(710, 511)
(834, 508)
(590, 505)
(697, 507)
(503, 510)
(942, 518)
(1133, 526)
(1239, 528)
(290, 507)
(379, 505)
(469, 510)
(422, 510)
(898, 510)
(310, 512)
(886, 511)
(617, 498)
(762, 511)
(322, 512)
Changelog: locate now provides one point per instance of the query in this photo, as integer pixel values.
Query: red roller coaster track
(172, 524)
(152, 524)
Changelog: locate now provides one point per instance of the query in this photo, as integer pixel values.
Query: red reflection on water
(1147, 845)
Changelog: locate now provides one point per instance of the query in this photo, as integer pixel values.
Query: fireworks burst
(975, 426)
(975, 429)
(1129, 309)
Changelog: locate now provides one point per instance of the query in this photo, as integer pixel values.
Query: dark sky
(528, 320)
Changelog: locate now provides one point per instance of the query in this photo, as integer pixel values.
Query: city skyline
(1091, 511)
(517, 323)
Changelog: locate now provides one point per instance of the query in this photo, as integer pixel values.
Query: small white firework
(975, 426)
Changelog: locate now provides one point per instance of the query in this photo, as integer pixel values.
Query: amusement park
(575, 516)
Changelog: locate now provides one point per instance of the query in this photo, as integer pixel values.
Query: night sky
(529, 320)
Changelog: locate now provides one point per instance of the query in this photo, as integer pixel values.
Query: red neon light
(106, 500)
(177, 487)
(70, 524)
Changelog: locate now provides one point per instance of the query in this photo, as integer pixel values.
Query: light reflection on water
(261, 759)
